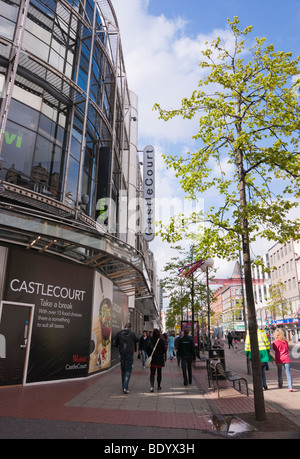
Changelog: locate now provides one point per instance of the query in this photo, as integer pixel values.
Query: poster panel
(100, 347)
(62, 294)
(110, 308)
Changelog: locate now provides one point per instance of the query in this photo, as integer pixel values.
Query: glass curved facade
(64, 99)
(70, 180)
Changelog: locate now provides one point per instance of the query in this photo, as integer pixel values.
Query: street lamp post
(208, 263)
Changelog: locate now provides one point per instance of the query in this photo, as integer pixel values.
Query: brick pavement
(97, 408)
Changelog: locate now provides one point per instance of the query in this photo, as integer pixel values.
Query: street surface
(97, 408)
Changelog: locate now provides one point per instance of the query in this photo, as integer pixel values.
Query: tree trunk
(259, 402)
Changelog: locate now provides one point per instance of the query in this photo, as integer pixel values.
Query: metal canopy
(71, 235)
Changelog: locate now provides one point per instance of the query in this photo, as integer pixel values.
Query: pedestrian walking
(282, 358)
(176, 346)
(143, 345)
(126, 341)
(158, 358)
(264, 353)
(171, 345)
(229, 339)
(165, 339)
(186, 350)
(235, 342)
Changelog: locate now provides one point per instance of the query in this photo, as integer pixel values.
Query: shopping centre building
(75, 263)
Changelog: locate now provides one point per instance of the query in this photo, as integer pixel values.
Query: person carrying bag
(156, 351)
(149, 359)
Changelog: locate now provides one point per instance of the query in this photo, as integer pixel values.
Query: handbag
(149, 359)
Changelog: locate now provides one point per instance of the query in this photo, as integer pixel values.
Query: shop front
(57, 318)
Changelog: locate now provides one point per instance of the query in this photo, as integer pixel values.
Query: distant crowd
(154, 348)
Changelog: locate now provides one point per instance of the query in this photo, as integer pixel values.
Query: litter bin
(217, 354)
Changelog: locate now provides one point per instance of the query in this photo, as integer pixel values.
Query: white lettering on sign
(149, 193)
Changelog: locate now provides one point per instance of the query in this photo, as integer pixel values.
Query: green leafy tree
(277, 303)
(185, 293)
(249, 120)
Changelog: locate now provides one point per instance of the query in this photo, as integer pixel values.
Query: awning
(71, 235)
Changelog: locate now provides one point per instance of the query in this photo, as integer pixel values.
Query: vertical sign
(149, 193)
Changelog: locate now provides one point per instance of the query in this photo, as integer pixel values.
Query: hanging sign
(149, 192)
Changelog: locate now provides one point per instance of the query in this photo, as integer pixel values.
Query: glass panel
(56, 60)
(47, 127)
(7, 28)
(51, 130)
(88, 161)
(72, 178)
(36, 46)
(45, 172)
(38, 31)
(43, 7)
(23, 115)
(17, 151)
(75, 148)
(9, 11)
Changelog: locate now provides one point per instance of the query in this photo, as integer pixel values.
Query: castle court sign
(149, 192)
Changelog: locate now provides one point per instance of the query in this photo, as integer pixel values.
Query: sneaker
(158, 388)
(291, 390)
(126, 391)
(266, 387)
(152, 389)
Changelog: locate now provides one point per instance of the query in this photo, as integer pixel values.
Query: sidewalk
(97, 408)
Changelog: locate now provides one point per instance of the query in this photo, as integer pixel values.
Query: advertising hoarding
(61, 292)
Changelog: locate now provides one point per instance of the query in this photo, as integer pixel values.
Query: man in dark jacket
(143, 345)
(126, 342)
(186, 351)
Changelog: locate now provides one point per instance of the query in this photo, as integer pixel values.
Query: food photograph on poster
(109, 311)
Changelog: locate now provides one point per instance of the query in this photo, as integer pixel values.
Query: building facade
(283, 262)
(74, 265)
(231, 302)
(285, 271)
(261, 290)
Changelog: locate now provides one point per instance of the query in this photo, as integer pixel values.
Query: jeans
(126, 368)
(263, 373)
(144, 356)
(186, 366)
(287, 372)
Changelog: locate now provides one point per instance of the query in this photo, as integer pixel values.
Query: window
(8, 17)
(23, 115)
(72, 178)
(294, 283)
(18, 148)
(75, 148)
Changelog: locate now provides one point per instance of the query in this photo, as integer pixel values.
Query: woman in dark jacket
(158, 360)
